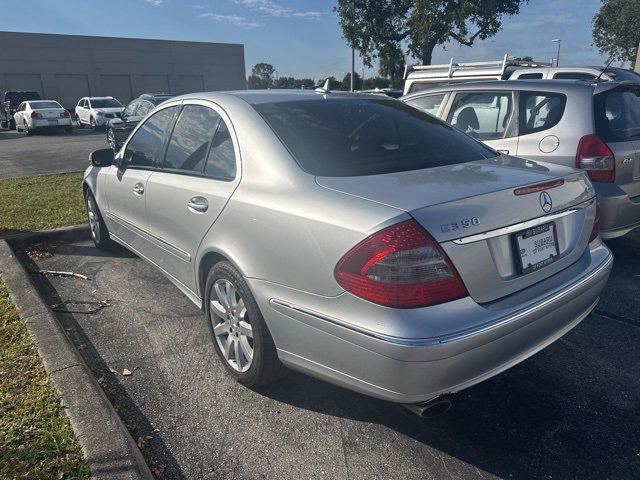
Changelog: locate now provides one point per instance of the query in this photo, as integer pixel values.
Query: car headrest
(467, 119)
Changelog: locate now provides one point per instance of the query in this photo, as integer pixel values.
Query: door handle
(138, 189)
(198, 204)
(506, 152)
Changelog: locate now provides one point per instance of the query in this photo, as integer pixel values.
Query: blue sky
(300, 38)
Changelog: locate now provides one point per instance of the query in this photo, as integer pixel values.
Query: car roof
(255, 97)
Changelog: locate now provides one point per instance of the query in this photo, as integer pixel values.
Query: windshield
(105, 103)
(45, 104)
(351, 136)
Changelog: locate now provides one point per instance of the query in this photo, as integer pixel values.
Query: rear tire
(111, 139)
(99, 231)
(27, 130)
(231, 328)
(92, 123)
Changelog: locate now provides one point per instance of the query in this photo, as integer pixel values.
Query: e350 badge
(462, 224)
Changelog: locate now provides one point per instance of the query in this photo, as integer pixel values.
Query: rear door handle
(198, 204)
(506, 152)
(138, 189)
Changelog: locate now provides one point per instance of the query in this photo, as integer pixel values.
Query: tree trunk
(636, 66)
(427, 53)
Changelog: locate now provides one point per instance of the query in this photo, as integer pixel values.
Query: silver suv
(594, 127)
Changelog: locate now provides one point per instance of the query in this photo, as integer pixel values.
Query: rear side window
(530, 76)
(429, 103)
(483, 115)
(618, 115)
(144, 148)
(574, 76)
(190, 139)
(341, 137)
(221, 162)
(540, 111)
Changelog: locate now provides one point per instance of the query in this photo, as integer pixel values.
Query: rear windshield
(158, 100)
(618, 114)
(17, 98)
(621, 74)
(105, 103)
(341, 137)
(44, 104)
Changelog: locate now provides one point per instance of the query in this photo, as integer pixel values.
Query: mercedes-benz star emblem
(545, 201)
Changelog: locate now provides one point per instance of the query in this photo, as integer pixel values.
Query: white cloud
(275, 10)
(155, 3)
(235, 20)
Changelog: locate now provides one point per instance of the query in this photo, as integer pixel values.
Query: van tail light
(595, 231)
(401, 266)
(36, 115)
(596, 158)
(64, 114)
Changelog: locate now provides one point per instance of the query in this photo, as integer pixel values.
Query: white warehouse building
(68, 67)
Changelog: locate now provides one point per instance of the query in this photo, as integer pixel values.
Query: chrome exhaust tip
(429, 409)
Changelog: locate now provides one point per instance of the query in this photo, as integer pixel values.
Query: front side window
(530, 76)
(144, 148)
(143, 109)
(190, 139)
(429, 103)
(540, 111)
(483, 115)
(341, 137)
(574, 76)
(221, 162)
(618, 115)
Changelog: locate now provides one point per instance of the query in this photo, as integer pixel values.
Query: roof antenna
(605, 67)
(324, 88)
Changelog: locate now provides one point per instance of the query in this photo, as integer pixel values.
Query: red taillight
(401, 266)
(595, 231)
(36, 115)
(596, 158)
(539, 187)
(64, 114)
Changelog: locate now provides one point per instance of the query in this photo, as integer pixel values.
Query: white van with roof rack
(424, 77)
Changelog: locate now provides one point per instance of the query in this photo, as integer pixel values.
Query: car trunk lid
(463, 201)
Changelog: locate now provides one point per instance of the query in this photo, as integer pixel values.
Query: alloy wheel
(111, 139)
(231, 325)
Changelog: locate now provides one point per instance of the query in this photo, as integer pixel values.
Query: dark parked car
(118, 129)
(9, 103)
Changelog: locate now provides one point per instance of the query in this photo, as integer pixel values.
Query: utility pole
(353, 67)
(557, 41)
(636, 66)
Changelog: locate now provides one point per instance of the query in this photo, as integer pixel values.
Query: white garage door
(118, 86)
(23, 81)
(71, 88)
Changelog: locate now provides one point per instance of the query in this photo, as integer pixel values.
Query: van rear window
(617, 114)
(339, 137)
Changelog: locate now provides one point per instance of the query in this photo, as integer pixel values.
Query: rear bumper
(44, 124)
(619, 213)
(412, 370)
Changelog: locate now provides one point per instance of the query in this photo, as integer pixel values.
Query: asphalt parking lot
(48, 152)
(571, 411)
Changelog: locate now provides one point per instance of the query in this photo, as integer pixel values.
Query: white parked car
(41, 115)
(97, 111)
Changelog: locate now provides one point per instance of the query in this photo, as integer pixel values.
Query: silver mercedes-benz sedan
(352, 237)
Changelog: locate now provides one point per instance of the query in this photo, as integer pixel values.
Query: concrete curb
(63, 234)
(108, 448)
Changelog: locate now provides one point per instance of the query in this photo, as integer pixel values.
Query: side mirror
(102, 158)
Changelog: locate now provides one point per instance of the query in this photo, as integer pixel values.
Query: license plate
(537, 247)
(53, 122)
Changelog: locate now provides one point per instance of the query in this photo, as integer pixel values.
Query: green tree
(392, 65)
(616, 29)
(526, 58)
(375, 82)
(346, 82)
(261, 76)
(374, 26)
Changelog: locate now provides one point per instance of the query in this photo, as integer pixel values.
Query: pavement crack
(58, 370)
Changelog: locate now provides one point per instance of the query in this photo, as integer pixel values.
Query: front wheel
(111, 139)
(99, 232)
(240, 335)
(92, 122)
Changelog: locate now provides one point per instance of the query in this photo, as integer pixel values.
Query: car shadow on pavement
(556, 415)
(156, 454)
